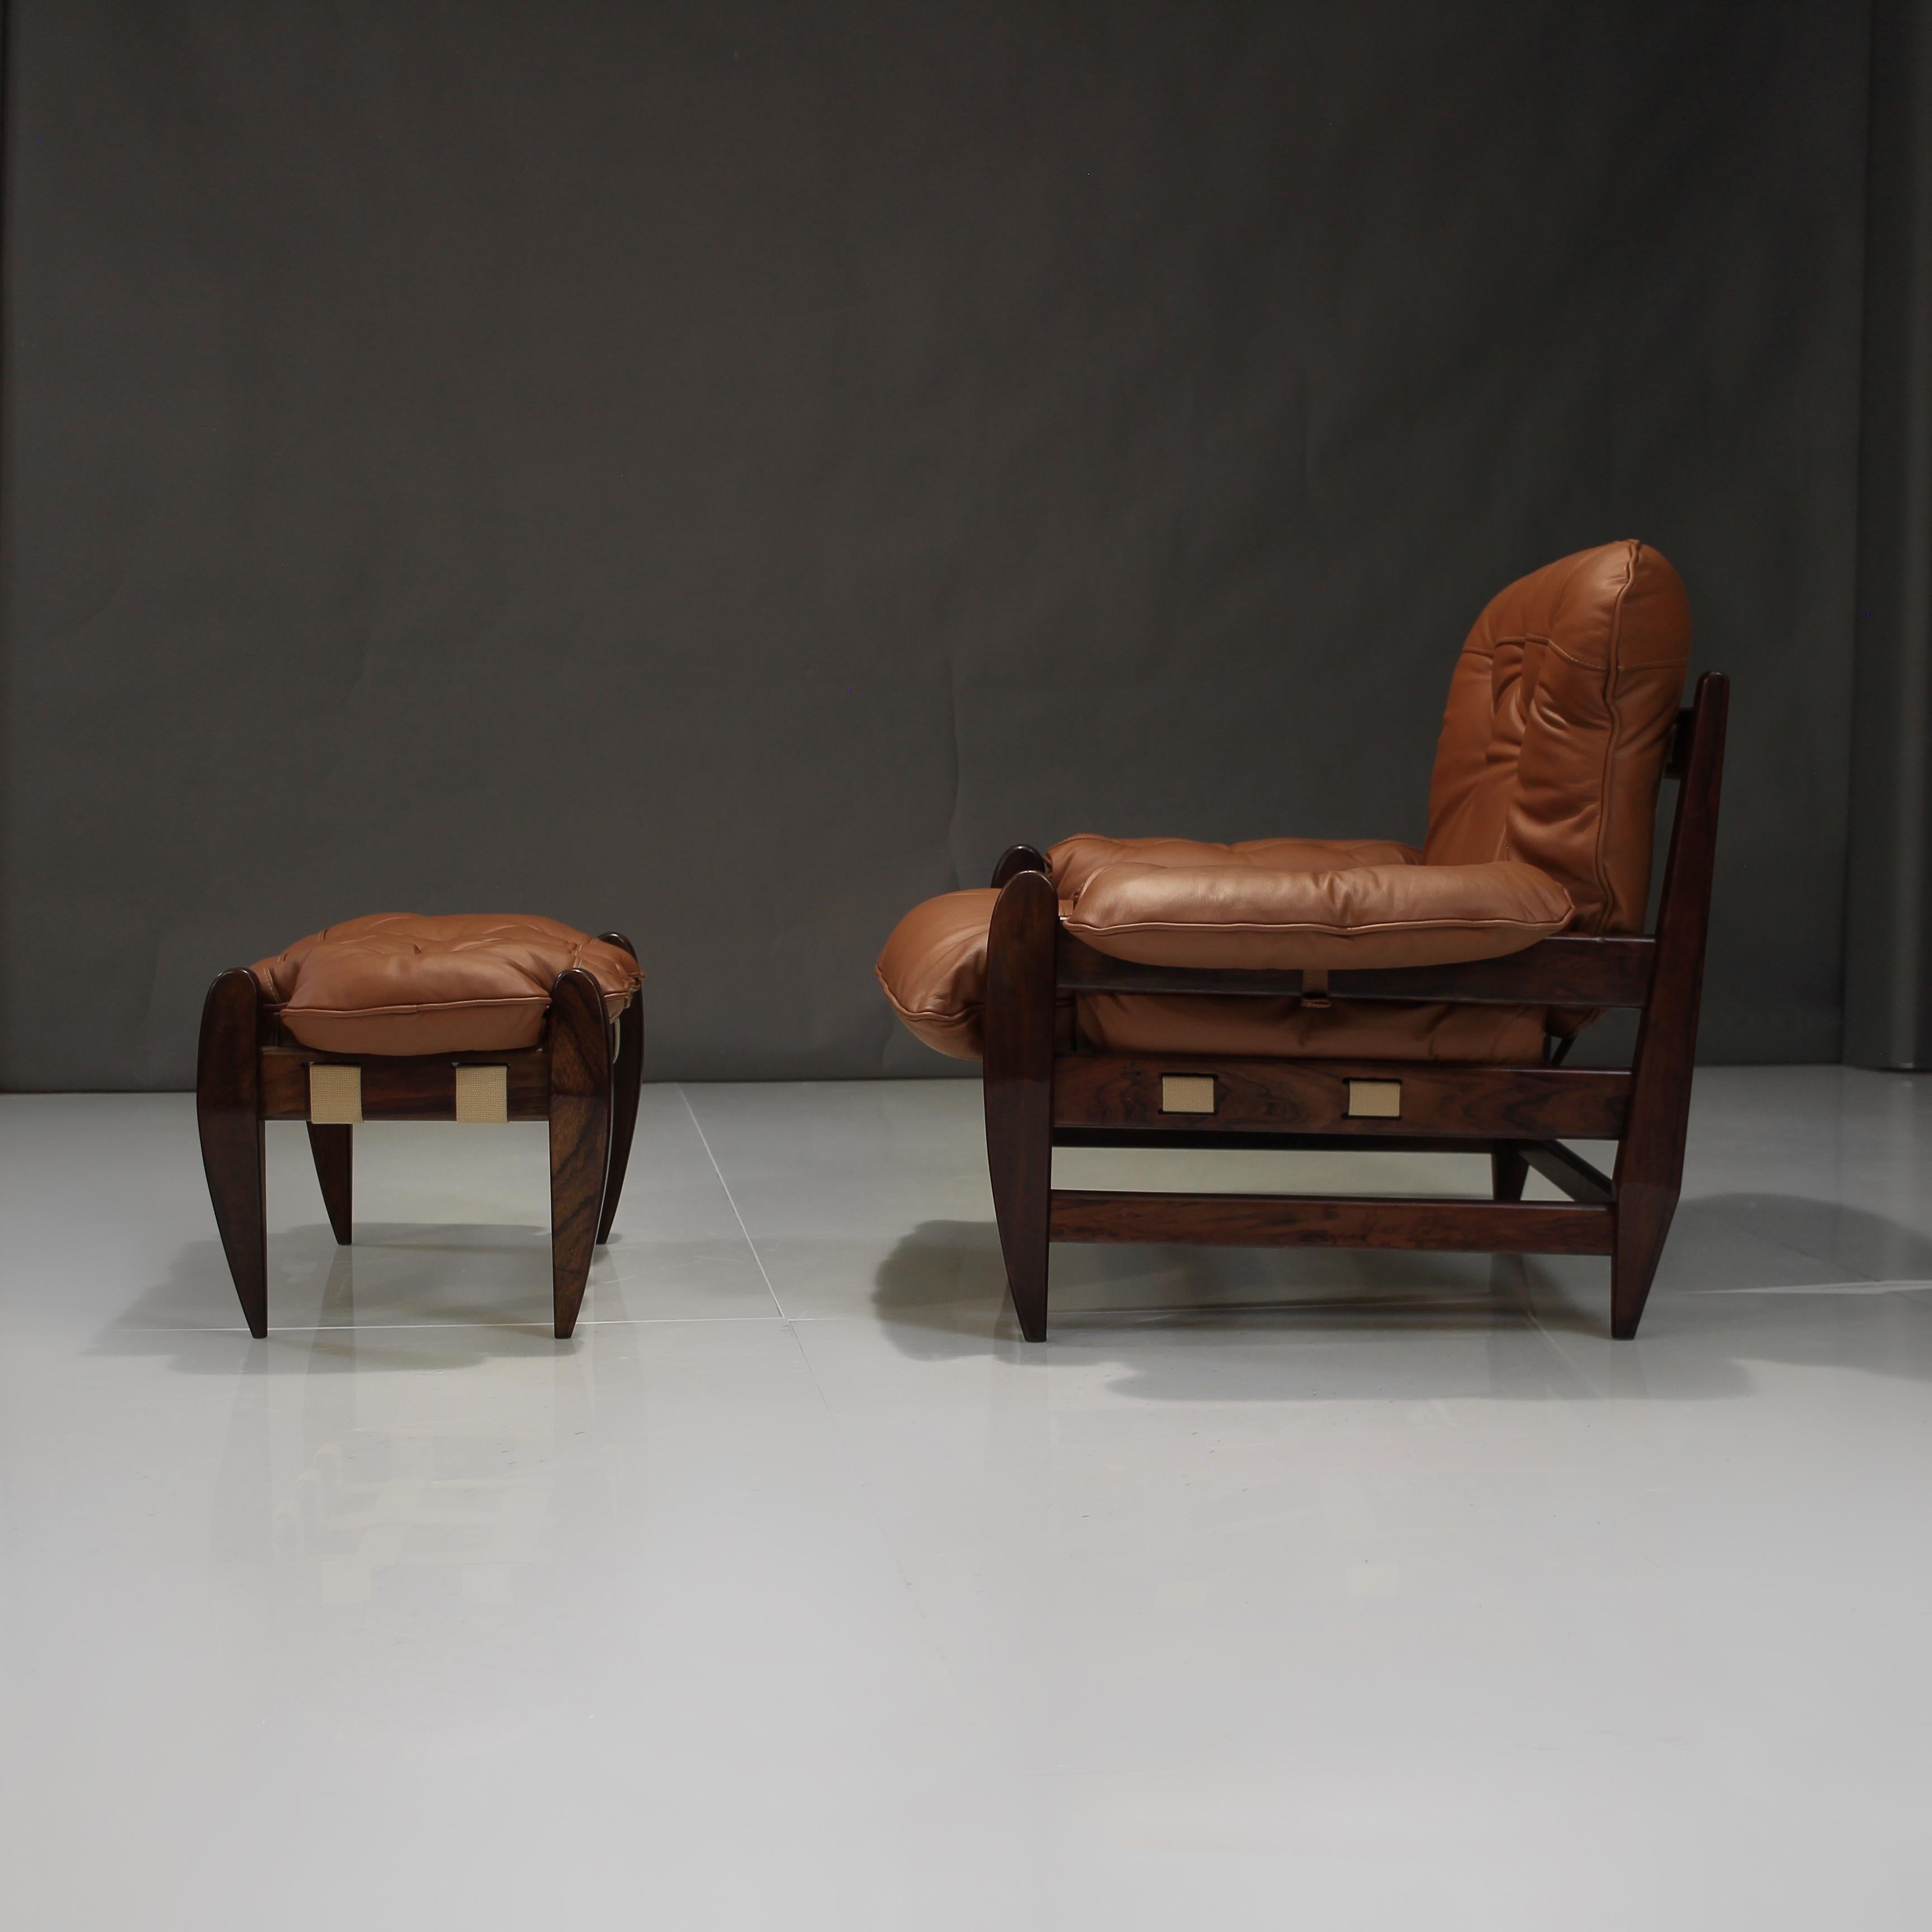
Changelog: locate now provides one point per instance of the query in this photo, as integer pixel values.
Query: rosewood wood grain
(1575, 971)
(1014, 860)
(400, 1088)
(1570, 1171)
(580, 1136)
(1518, 1116)
(1018, 1082)
(1333, 1221)
(333, 1150)
(250, 1071)
(228, 1111)
(626, 1078)
(1650, 1162)
(1261, 1141)
(1508, 1171)
(1312, 1096)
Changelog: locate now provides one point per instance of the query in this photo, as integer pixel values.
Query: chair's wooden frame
(583, 1080)
(1039, 1097)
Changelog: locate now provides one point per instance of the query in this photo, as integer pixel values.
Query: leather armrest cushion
(933, 970)
(1361, 917)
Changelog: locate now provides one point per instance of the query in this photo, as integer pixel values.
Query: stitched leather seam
(428, 1007)
(1522, 639)
(1581, 663)
(966, 1009)
(1330, 931)
(1604, 800)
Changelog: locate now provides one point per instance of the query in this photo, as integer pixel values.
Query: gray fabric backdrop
(725, 470)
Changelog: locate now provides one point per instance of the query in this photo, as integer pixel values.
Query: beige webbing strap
(334, 1096)
(1186, 1094)
(1374, 1099)
(482, 1095)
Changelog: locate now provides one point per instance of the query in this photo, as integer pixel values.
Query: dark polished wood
(1312, 1095)
(1518, 1116)
(1508, 1171)
(228, 1111)
(1569, 970)
(1262, 1141)
(580, 1136)
(1014, 860)
(404, 1088)
(1018, 1075)
(1677, 759)
(1333, 1221)
(1570, 1171)
(333, 1149)
(250, 1071)
(1650, 1161)
(626, 1078)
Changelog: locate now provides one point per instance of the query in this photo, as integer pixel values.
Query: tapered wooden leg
(1018, 1084)
(1508, 1171)
(626, 1075)
(1643, 1222)
(333, 1150)
(580, 1136)
(228, 1110)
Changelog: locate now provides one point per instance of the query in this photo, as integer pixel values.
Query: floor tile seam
(854, 1465)
(731, 1200)
(1096, 1319)
(856, 1471)
(1789, 1247)
(499, 1327)
(1912, 1301)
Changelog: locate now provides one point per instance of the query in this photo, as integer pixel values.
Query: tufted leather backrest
(1559, 718)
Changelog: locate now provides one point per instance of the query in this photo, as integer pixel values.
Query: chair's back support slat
(1650, 1160)
(1677, 760)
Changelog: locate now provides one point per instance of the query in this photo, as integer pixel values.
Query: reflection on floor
(1346, 1590)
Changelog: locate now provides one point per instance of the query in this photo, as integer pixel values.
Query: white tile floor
(1276, 1589)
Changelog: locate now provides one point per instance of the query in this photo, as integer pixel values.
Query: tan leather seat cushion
(399, 983)
(1541, 808)
(934, 972)
(1143, 1023)
(1361, 916)
(1075, 860)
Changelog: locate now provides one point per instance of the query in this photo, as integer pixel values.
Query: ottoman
(398, 1017)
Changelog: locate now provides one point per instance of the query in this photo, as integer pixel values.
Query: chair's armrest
(1366, 917)
(1016, 859)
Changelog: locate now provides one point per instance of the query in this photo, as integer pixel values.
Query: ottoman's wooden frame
(1040, 1095)
(583, 1080)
